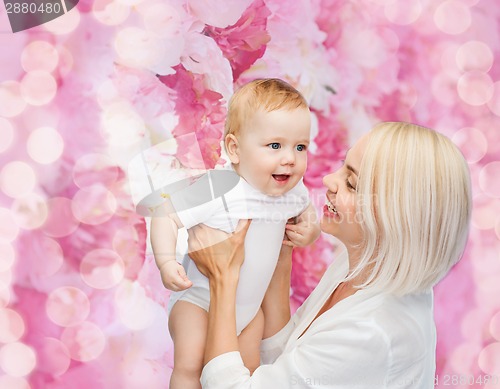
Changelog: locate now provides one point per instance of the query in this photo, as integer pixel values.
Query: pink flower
(332, 145)
(203, 56)
(219, 14)
(245, 41)
(201, 111)
(149, 96)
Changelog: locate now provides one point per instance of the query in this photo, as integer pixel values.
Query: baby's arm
(164, 226)
(306, 229)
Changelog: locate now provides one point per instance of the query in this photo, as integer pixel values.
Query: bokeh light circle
(11, 326)
(485, 211)
(17, 179)
(45, 145)
(7, 255)
(67, 306)
(110, 12)
(475, 88)
(403, 13)
(64, 24)
(60, 220)
(92, 168)
(93, 205)
(489, 359)
(5, 289)
(5, 293)
(474, 55)
(472, 143)
(11, 101)
(472, 325)
(5, 279)
(102, 269)
(126, 245)
(7, 381)
(462, 358)
(30, 211)
(489, 179)
(53, 259)
(6, 134)
(54, 357)
(17, 359)
(39, 55)
(452, 17)
(494, 102)
(8, 228)
(85, 341)
(38, 87)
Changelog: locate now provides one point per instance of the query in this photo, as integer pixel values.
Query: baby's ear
(232, 148)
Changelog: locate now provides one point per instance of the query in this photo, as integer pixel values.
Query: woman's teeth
(330, 206)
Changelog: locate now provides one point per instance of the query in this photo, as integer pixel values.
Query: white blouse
(364, 341)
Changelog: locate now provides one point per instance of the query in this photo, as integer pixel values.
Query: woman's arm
(276, 303)
(219, 256)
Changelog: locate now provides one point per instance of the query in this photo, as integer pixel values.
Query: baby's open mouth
(281, 177)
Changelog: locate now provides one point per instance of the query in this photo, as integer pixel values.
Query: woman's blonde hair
(414, 197)
(268, 94)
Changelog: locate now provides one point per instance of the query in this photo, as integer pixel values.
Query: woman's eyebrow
(352, 169)
(349, 167)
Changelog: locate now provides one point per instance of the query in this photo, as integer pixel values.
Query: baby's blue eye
(274, 146)
(301, 147)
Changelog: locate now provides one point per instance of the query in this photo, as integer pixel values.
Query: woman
(401, 205)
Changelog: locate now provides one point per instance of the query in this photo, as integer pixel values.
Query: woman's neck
(354, 256)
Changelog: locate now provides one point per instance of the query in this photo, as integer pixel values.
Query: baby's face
(272, 149)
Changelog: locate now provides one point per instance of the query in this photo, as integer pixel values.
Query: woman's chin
(328, 225)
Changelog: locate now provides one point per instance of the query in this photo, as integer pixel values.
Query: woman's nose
(330, 182)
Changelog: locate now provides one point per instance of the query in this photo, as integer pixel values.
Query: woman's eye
(349, 185)
(274, 146)
(301, 147)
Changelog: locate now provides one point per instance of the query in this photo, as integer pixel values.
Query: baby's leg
(188, 328)
(249, 342)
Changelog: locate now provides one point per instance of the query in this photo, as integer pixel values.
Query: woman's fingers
(242, 227)
(214, 251)
(202, 236)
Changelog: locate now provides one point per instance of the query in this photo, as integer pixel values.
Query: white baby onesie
(207, 202)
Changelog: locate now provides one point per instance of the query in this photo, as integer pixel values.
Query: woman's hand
(219, 256)
(216, 253)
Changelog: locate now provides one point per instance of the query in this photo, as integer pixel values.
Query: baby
(266, 138)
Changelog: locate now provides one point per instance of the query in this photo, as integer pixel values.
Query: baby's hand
(305, 231)
(174, 276)
(300, 235)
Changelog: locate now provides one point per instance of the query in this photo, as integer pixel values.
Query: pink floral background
(81, 302)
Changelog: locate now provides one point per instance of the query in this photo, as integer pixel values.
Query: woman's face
(340, 217)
